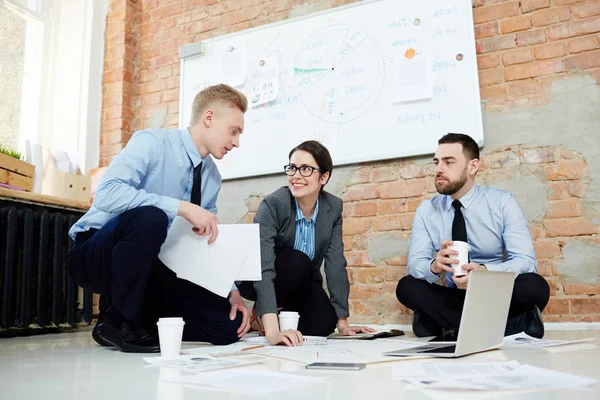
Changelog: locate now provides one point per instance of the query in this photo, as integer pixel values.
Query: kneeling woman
(300, 227)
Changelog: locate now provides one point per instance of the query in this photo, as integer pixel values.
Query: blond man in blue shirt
(159, 174)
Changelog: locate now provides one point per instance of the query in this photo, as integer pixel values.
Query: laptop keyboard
(445, 349)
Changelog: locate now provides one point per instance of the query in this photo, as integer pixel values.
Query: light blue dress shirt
(497, 231)
(156, 168)
(305, 231)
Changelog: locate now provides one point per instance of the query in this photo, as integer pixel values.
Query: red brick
(362, 209)
(347, 240)
(569, 169)
(576, 189)
(488, 29)
(547, 268)
(551, 50)
(549, 17)
(395, 206)
(488, 45)
(585, 306)
(111, 137)
(364, 292)
(583, 61)
(385, 174)
(360, 242)
(223, 7)
(242, 15)
(574, 28)
(501, 159)
(532, 5)
(397, 261)
(486, 61)
(171, 94)
(493, 93)
(538, 155)
(555, 286)
(557, 306)
(394, 273)
(405, 188)
(204, 25)
(413, 204)
(515, 24)
(410, 171)
(533, 69)
(353, 226)
(370, 275)
(565, 208)
(490, 77)
(547, 249)
(166, 11)
(569, 227)
(595, 73)
(588, 9)
(575, 289)
(363, 192)
(362, 175)
(583, 44)
(517, 57)
(393, 222)
(359, 259)
(495, 12)
(558, 190)
(531, 37)
(416, 187)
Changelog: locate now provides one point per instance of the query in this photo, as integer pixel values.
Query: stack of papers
(196, 363)
(234, 256)
(524, 340)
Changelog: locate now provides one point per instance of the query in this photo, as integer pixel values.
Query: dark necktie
(459, 229)
(197, 185)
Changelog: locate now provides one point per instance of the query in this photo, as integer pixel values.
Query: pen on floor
(260, 346)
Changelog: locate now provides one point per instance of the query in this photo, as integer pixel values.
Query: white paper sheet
(200, 363)
(265, 81)
(232, 65)
(249, 381)
(451, 369)
(524, 340)
(525, 377)
(235, 255)
(413, 76)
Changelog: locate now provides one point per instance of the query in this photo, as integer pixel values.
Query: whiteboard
(348, 78)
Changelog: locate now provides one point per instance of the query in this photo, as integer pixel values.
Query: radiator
(37, 295)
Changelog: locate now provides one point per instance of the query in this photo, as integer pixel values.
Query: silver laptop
(483, 318)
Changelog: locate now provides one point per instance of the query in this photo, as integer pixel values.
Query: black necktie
(459, 229)
(197, 185)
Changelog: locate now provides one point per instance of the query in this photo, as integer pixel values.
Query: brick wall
(523, 47)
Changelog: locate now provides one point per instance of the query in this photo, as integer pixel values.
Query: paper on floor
(525, 377)
(524, 340)
(451, 369)
(200, 363)
(241, 380)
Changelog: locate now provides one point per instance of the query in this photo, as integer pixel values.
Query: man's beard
(452, 187)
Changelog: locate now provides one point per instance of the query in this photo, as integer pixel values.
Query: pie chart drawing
(339, 73)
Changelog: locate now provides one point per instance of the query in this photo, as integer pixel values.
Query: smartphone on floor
(338, 366)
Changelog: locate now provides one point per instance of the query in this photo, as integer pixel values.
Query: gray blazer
(277, 218)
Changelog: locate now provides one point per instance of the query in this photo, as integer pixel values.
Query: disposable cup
(463, 249)
(288, 320)
(170, 334)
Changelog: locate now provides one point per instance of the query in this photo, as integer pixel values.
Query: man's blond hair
(221, 94)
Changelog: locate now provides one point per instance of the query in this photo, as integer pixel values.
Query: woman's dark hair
(319, 153)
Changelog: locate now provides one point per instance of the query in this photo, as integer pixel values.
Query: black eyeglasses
(305, 170)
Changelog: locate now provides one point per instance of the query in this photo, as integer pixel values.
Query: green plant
(10, 152)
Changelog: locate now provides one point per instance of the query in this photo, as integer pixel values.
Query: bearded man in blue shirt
(496, 229)
(160, 174)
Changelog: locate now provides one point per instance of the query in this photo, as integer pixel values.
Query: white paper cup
(288, 320)
(170, 334)
(463, 249)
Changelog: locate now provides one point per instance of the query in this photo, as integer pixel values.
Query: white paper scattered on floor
(451, 369)
(525, 377)
(200, 363)
(248, 380)
(524, 340)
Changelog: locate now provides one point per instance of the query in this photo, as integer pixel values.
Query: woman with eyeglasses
(300, 227)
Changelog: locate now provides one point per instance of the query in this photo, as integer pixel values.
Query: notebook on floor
(483, 319)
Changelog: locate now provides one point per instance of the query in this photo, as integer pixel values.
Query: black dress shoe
(423, 325)
(104, 308)
(529, 321)
(130, 338)
(447, 335)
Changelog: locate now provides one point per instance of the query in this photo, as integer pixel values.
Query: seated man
(160, 174)
(493, 224)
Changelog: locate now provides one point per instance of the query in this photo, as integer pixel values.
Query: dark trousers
(119, 261)
(443, 306)
(296, 290)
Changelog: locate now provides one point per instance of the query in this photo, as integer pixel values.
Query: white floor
(72, 366)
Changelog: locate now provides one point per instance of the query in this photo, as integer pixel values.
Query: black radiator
(37, 295)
